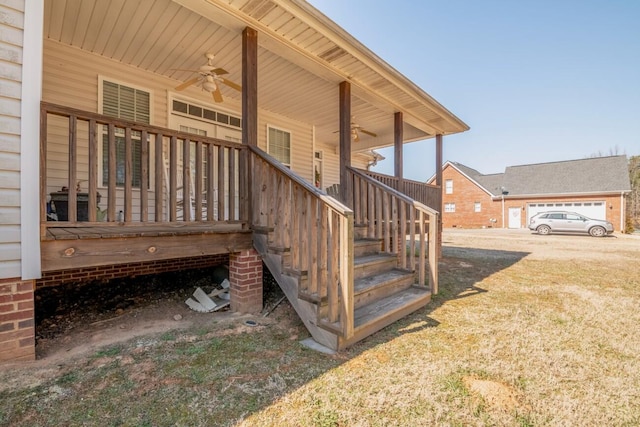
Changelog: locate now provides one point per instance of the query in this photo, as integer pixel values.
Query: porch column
(439, 183)
(397, 149)
(345, 142)
(249, 118)
(250, 87)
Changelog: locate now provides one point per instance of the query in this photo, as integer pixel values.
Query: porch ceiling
(303, 57)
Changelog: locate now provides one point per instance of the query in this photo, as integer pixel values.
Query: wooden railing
(315, 230)
(157, 174)
(406, 226)
(428, 195)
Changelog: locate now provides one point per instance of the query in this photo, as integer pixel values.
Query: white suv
(569, 222)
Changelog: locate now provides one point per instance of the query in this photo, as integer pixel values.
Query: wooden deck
(68, 247)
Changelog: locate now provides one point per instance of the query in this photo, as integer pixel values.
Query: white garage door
(595, 209)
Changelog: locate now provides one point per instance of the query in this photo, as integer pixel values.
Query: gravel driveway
(518, 242)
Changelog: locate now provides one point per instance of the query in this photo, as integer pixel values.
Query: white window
(129, 103)
(449, 207)
(448, 186)
(279, 145)
(477, 207)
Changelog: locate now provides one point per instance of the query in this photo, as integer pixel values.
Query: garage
(591, 209)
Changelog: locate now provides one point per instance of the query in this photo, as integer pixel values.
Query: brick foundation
(245, 276)
(108, 272)
(17, 324)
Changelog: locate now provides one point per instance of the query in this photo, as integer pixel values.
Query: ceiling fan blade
(219, 71)
(186, 84)
(217, 95)
(232, 84)
(368, 133)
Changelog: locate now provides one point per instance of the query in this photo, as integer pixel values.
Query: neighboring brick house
(594, 187)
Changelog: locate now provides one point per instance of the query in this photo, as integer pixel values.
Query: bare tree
(633, 200)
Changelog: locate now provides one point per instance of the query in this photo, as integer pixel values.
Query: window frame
(477, 207)
(448, 186)
(277, 128)
(101, 160)
(449, 207)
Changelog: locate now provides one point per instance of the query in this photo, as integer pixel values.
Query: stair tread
(372, 258)
(388, 305)
(364, 283)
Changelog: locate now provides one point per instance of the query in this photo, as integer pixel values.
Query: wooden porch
(190, 198)
(348, 267)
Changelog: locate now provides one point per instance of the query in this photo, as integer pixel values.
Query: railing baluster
(198, 181)
(232, 184)
(128, 174)
(421, 265)
(144, 177)
(111, 186)
(221, 184)
(93, 170)
(159, 164)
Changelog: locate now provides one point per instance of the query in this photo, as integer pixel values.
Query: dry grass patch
(516, 338)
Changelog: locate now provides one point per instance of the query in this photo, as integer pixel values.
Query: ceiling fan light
(210, 86)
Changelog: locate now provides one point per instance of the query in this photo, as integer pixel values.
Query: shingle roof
(593, 175)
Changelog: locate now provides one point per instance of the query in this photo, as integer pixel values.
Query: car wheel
(597, 231)
(543, 229)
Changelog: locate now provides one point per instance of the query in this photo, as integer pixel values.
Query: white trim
(102, 78)
(30, 140)
(270, 126)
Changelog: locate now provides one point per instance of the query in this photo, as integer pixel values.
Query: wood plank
(65, 254)
(128, 175)
(186, 179)
(144, 176)
(173, 178)
(344, 107)
(72, 200)
(221, 188)
(398, 140)
(250, 87)
(158, 173)
(93, 170)
(111, 185)
(198, 181)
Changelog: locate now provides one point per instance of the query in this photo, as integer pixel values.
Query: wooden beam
(345, 142)
(79, 253)
(439, 183)
(397, 147)
(250, 87)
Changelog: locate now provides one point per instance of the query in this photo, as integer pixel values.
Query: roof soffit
(316, 43)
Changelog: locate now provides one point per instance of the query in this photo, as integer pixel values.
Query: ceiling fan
(209, 78)
(356, 129)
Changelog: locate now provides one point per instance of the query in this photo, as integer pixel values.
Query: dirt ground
(84, 321)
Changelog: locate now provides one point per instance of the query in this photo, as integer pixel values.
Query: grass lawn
(511, 340)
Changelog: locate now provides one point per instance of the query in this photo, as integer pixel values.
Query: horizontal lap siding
(11, 25)
(71, 79)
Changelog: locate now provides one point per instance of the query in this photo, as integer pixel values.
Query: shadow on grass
(209, 378)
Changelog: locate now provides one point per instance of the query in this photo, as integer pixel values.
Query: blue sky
(536, 80)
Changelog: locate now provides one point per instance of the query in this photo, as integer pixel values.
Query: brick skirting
(17, 324)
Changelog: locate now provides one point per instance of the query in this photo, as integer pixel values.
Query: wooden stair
(382, 292)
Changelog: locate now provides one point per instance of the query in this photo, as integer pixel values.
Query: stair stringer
(308, 312)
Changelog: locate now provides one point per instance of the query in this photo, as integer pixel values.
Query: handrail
(185, 190)
(426, 194)
(393, 191)
(391, 216)
(315, 233)
(333, 203)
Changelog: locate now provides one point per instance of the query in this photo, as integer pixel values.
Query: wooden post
(397, 149)
(345, 142)
(439, 183)
(249, 114)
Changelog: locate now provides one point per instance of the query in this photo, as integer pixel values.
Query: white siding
(71, 79)
(11, 26)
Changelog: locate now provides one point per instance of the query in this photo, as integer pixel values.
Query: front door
(514, 218)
